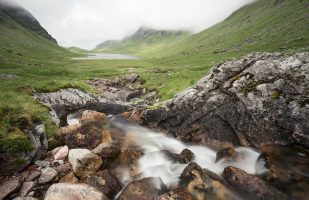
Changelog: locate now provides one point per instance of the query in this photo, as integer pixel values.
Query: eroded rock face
(66, 191)
(260, 98)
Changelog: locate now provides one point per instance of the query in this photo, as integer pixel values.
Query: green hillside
(144, 39)
(265, 25)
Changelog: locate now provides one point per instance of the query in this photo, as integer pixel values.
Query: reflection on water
(108, 56)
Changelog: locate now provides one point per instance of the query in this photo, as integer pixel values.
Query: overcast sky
(86, 23)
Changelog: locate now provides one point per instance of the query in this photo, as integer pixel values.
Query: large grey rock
(48, 174)
(66, 101)
(260, 98)
(67, 191)
(84, 163)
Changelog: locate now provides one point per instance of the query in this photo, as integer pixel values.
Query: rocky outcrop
(38, 147)
(260, 98)
(66, 101)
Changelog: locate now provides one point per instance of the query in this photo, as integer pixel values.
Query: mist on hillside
(87, 23)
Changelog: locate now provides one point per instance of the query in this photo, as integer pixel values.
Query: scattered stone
(90, 116)
(26, 188)
(147, 188)
(150, 96)
(33, 176)
(48, 174)
(42, 163)
(250, 185)
(107, 151)
(227, 154)
(62, 153)
(9, 186)
(105, 182)
(186, 156)
(176, 194)
(84, 163)
(69, 178)
(8, 76)
(63, 169)
(194, 179)
(66, 191)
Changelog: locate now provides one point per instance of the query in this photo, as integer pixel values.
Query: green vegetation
(171, 63)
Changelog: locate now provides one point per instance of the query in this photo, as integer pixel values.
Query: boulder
(147, 188)
(285, 167)
(63, 169)
(66, 191)
(33, 175)
(83, 162)
(26, 198)
(107, 151)
(186, 156)
(62, 153)
(250, 185)
(105, 182)
(257, 99)
(90, 116)
(69, 178)
(227, 154)
(26, 188)
(48, 174)
(9, 186)
(176, 194)
(195, 180)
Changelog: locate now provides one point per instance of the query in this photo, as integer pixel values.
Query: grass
(169, 66)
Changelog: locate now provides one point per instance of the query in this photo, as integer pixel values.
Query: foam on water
(154, 163)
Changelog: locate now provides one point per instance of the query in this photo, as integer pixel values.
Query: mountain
(22, 36)
(144, 38)
(264, 25)
(76, 50)
(24, 18)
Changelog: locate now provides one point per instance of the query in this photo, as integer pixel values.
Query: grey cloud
(85, 23)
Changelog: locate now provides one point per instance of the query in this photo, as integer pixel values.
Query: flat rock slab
(66, 191)
(9, 186)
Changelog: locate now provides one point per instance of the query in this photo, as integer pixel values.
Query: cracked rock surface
(257, 99)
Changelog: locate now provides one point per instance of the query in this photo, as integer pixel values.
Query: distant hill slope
(76, 50)
(143, 39)
(265, 25)
(22, 36)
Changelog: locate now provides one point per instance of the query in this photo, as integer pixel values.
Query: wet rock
(257, 99)
(250, 185)
(88, 135)
(26, 198)
(63, 169)
(186, 156)
(33, 175)
(69, 178)
(107, 151)
(48, 174)
(147, 188)
(83, 162)
(62, 153)
(12, 163)
(194, 179)
(228, 154)
(26, 188)
(105, 182)
(66, 191)
(89, 116)
(285, 167)
(9, 186)
(176, 194)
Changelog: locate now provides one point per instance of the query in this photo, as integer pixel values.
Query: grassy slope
(168, 68)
